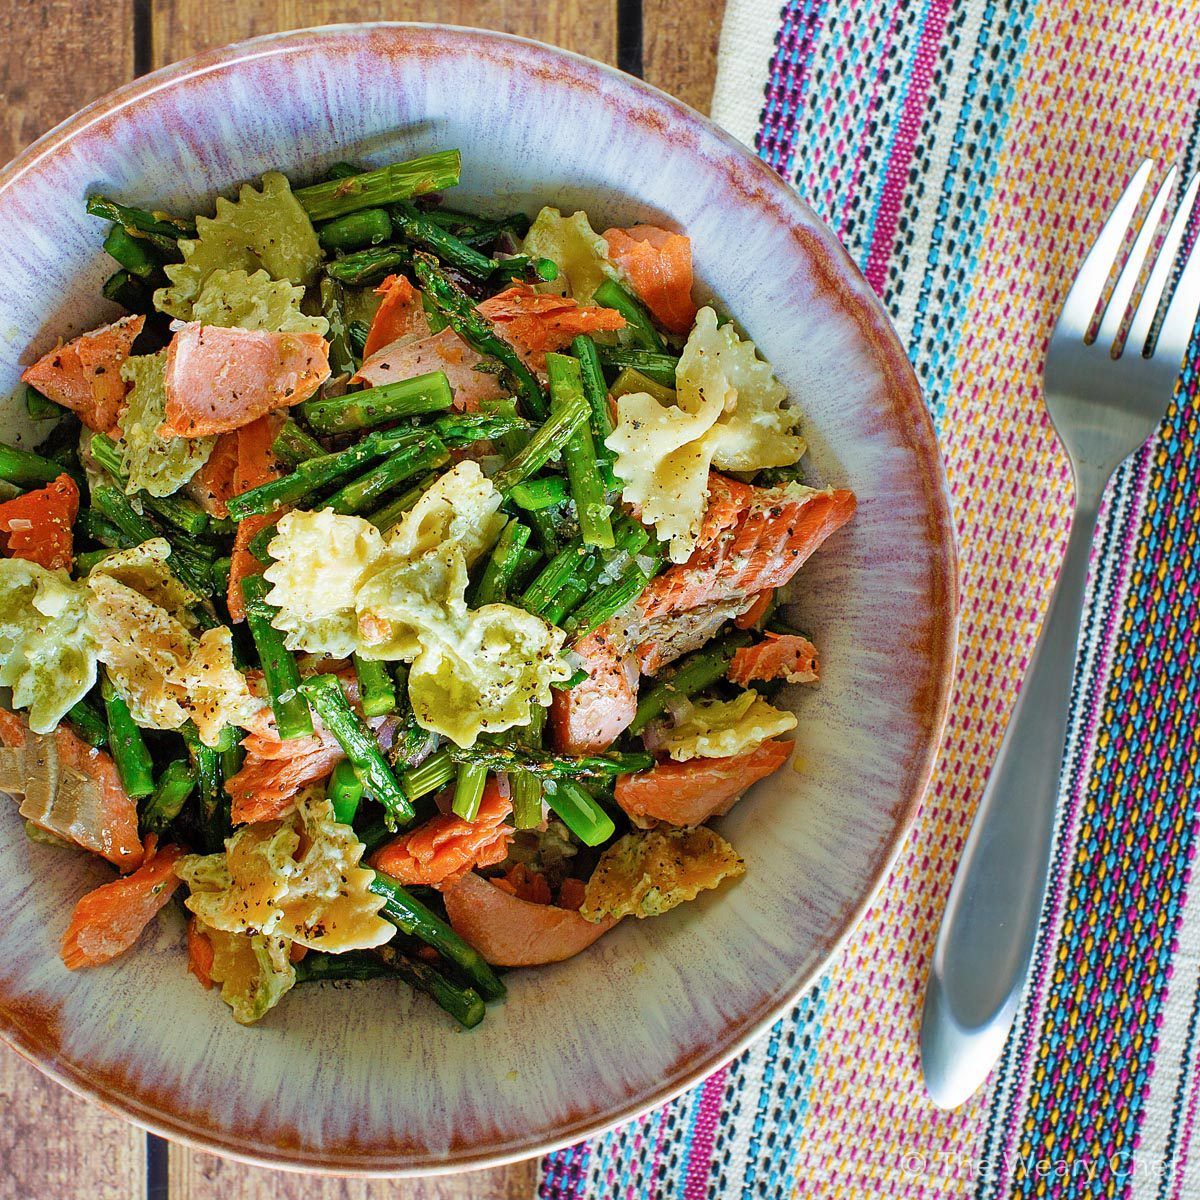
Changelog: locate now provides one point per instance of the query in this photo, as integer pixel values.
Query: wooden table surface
(58, 56)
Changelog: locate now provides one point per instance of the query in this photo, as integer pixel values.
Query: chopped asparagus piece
(548, 442)
(551, 766)
(132, 253)
(385, 185)
(126, 744)
(408, 914)
(449, 249)
(317, 472)
(367, 227)
(501, 565)
(368, 489)
(174, 786)
(579, 812)
(659, 367)
(24, 467)
(345, 791)
(638, 325)
(693, 674)
(325, 694)
(377, 692)
(579, 453)
(368, 266)
(468, 790)
(536, 494)
(164, 228)
(295, 446)
(378, 405)
(280, 672)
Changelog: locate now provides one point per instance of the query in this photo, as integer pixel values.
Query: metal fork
(1106, 396)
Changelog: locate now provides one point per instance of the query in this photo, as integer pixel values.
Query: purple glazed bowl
(373, 1079)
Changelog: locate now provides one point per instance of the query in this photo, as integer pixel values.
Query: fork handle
(986, 939)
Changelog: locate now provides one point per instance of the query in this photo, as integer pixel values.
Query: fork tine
(1177, 325)
(1122, 291)
(1088, 287)
(1156, 285)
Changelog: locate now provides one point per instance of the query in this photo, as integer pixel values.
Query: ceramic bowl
(370, 1078)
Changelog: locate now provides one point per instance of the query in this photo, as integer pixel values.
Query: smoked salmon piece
(70, 789)
(108, 920)
(273, 773)
(38, 524)
(689, 793)
(214, 483)
(399, 313)
(417, 354)
(770, 543)
(525, 884)
(446, 847)
(673, 636)
(778, 656)
(756, 611)
(510, 932)
(753, 540)
(531, 322)
(727, 501)
(537, 322)
(658, 264)
(255, 464)
(84, 375)
(590, 716)
(199, 953)
(220, 379)
(571, 893)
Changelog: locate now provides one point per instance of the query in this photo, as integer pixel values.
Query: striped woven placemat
(966, 151)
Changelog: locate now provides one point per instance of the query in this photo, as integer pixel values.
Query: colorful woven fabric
(966, 152)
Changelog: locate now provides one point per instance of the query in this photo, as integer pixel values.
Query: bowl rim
(863, 306)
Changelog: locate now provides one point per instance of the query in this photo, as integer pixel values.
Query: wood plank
(54, 1144)
(51, 1143)
(196, 1176)
(679, 48)
(183, 27)
(64, 56)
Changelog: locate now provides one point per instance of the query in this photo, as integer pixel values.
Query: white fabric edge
(743, 65)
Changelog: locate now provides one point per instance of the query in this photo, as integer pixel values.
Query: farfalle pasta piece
(165, 674)
(320, 561)
(650, 871)
(142, 646)
(146, 569)
(724, 728)
(730, 413)
(410, 603)
(461, 506)
(262, 230)
(341, 589)
(216, 692)
(47, 653)
(663, 460)
(254, 971)
(578, 251)
(758, 429)
(239, 299)
(501, 661)
(154, 464)
(296, 878)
